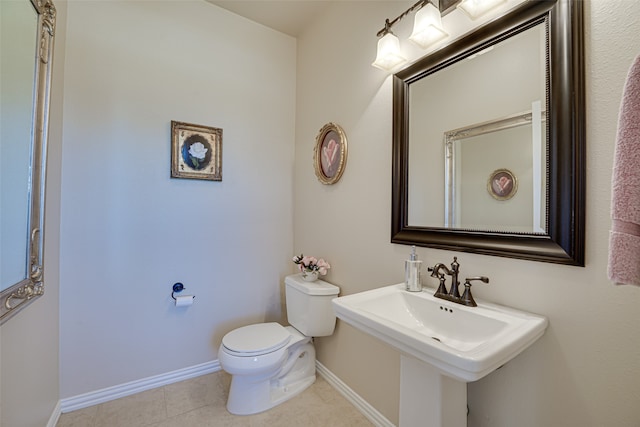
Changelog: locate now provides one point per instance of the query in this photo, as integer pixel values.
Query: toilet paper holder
(177, 288)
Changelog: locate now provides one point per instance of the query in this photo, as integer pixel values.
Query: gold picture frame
(502, 184)
(330, 153)
(196, 151)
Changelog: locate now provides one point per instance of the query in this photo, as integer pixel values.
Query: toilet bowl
(270, 363)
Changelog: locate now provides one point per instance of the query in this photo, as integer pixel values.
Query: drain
(436, 338)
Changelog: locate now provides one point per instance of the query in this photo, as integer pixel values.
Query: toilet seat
(257, 339)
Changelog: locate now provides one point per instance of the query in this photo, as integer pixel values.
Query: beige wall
(585, 371)
(29, 368)
(128, 230)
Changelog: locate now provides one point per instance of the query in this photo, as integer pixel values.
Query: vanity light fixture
(389, 55)
(476, 8)
(427, 28)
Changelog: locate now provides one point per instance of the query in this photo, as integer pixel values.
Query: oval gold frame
(317, 153)
(514, 186)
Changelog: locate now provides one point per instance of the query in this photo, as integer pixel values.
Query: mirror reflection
(511, 199)
(26, 49)
(475, 117)
(17, 53)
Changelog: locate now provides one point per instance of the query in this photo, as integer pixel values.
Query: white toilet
(270, 363)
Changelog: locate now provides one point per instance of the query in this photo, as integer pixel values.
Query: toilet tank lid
(319, 287)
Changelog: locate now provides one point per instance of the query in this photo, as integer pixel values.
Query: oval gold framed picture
(502, 184)
(330, 153)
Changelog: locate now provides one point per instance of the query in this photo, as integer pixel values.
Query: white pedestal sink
(444, 345)
(428, 398)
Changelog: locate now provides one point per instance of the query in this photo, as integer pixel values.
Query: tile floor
(200, 402)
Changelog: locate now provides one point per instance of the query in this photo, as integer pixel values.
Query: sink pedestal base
(428, 398)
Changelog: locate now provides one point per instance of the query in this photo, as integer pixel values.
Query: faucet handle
(484, 279)
(442, 288)
(455, 266)
(467, 298)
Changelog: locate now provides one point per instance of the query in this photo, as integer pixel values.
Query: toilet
(270, 363)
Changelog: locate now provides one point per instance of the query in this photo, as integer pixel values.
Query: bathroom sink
(465, 343)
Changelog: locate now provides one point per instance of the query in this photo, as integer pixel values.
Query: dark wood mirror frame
(563, 242)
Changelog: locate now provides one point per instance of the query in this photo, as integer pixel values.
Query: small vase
(309, 276)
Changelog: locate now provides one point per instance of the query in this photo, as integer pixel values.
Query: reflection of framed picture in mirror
(502, 184)
(196, 151)
(330, 153)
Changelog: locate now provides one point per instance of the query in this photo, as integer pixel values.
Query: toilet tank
(309, 305)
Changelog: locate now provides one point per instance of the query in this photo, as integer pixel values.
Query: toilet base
(253, 394)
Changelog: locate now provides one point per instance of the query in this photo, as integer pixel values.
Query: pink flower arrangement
(310, 264)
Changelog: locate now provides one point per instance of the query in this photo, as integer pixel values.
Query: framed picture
(196, 151)
(502, 184)
(330, 153)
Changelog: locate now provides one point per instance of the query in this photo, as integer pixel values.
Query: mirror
(474, 176)
(27, 29)
(488, 140)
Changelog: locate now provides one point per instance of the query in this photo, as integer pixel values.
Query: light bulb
(389, 55)
(476, 8)
(427, 27)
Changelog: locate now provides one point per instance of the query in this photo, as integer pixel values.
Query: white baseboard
(55, 415)
(111, 393)
(361, 405)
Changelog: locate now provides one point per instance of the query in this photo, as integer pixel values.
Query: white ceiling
(287, 16)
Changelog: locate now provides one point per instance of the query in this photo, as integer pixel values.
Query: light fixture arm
(418, 5)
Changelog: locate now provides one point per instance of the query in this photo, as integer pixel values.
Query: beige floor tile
(332, 409)
(195, 393)
(81, 418)
(201, 402)
(207, 416)
(292, 413)
(338, 416)
(137, 410)
(320, 405)
(325, 391)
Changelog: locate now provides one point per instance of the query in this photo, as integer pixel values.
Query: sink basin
(465, 343)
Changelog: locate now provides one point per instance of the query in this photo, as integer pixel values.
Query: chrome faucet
(454, 294)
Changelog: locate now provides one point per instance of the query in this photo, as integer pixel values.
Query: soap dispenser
(412, 267)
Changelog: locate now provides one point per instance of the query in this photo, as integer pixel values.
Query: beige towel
(624, 240)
